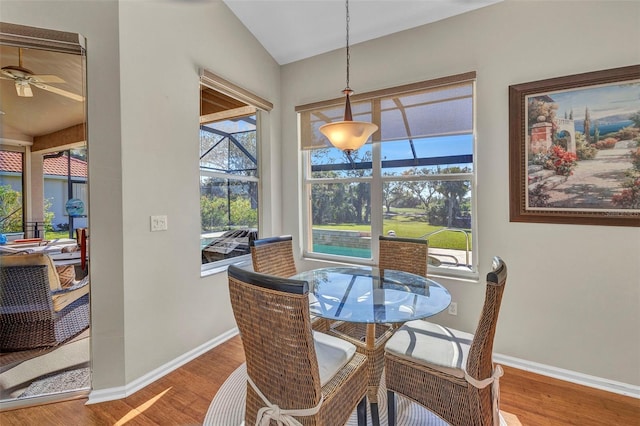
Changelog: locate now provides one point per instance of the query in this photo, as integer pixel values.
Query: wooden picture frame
(583, 168)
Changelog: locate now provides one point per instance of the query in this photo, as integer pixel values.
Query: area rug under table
(227, 407)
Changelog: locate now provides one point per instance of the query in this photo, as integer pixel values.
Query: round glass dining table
(362, 303)
(371, 295)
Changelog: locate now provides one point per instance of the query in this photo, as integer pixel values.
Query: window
(11, 212)
(415, 179)
(65, 189)
(229, 171)
(228, 188)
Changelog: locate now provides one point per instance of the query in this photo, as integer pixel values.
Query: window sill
(222, 266)
(462, 277)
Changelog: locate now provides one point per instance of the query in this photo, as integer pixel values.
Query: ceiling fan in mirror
(24, 79)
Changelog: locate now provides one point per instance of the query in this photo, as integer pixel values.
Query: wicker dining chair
(274, 256)
(310, 376)
(446, 370)
(404, 254)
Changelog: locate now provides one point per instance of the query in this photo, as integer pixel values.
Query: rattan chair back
(453, 397)
(480, 360)
(272, 314)
(404, 254)
(274, 256)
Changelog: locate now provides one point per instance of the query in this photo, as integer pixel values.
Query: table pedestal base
(369, 340)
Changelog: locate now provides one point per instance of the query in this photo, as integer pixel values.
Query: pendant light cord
(348, 53)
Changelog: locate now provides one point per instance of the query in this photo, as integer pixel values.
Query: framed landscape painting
(574, 149)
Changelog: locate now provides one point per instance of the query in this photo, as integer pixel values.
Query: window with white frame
(415, 178)
(229, 170)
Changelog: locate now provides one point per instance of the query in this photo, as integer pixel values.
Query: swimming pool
(342, 251)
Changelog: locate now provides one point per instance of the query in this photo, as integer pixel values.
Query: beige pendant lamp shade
(348, 135)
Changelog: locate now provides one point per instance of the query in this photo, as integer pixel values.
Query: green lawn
(408, 224)
(52, 235)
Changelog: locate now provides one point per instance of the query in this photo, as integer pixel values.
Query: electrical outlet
(453, 308)
(159, 223)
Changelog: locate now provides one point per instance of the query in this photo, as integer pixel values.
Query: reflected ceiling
(27, 117)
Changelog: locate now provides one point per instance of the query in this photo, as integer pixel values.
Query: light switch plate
(159, 223)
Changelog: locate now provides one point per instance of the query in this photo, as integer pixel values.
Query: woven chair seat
(437, 347)
(332, 353)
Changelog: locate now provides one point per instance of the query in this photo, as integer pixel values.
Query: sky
(428, 147)
(602, 100)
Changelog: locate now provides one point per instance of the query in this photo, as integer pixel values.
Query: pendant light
(348, 135)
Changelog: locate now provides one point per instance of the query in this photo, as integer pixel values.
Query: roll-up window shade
(213, 81)
(39, 38)
(428, 109)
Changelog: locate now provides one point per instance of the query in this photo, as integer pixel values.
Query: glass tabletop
(359, 294)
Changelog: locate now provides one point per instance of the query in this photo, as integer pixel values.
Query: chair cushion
(332, 353)
(35, 259)
(63, 299)
(66, 275)
(441, 348)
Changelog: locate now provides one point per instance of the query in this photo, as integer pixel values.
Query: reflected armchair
(34, 313)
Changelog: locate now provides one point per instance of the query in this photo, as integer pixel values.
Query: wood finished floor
(183, 397)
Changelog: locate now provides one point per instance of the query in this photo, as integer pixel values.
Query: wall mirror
(44, 294)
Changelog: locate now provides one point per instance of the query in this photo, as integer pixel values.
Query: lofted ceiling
(291, 30)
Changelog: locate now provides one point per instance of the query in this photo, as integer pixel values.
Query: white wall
(169, 309)
(149, 303)
(573, 295)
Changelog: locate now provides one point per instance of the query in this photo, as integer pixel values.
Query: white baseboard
(120, 392)
(569, 376)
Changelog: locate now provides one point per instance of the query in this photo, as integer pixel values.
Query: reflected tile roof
(12, 162)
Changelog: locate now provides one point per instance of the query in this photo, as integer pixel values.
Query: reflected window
(65, 191)
(11, 181)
